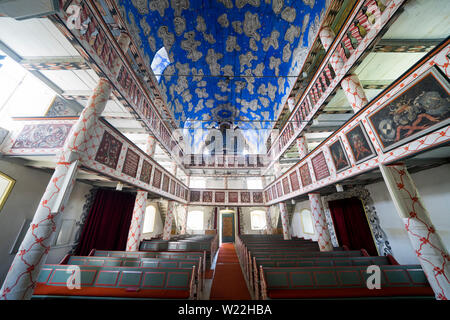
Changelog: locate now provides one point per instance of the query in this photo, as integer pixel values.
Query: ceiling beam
(406, 45)
(54, 63)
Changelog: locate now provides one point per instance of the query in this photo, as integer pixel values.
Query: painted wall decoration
(172, 186)
(279, 189)
(258, 197)
(359, 144)
(60, 107)
(165, 185)
(339, 156)
(294, 181)
(233, 197)
(130, 166)
(42, 136)
(421, 107)
(320, 166)
(286, 187)
(157, 175)
(207, 196)
(109, 151)
(219, 196)
(230, 55)
(305, 175)
(245, 197)
(146, 172)
(194, 196)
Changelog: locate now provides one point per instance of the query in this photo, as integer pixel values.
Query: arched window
(149, 219)
(258, 219)
(195, 220)
(160, 62)
(307, 221)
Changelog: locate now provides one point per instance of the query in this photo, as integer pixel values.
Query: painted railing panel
(364, 25)
(108, 153)
(358, 145)
(226, 197)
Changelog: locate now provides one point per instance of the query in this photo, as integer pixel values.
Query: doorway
(227, 227)
(351, 225)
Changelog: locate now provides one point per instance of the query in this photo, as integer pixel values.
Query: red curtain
(350, 223)
(239, 219)
(215, 218)
(108, 222)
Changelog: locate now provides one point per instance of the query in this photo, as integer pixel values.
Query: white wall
(22, 203)
(247, 221)
(434, 188)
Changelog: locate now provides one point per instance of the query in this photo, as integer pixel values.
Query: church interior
(258, 150)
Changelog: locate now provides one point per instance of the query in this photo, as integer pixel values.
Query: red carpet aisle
(228, 282)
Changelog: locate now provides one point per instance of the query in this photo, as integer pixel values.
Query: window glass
(195, 220)
(149, 219)
(307, 221)
(258, 219)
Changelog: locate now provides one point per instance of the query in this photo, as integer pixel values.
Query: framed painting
(359, 144)
(340, 159)
(421, 107)
(6, 186)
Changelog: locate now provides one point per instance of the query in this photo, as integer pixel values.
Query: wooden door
(227, 227)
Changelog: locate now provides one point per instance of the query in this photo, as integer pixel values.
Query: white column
(21, 278)
(320, 222)
(137, 221)
(183, 220)
(351, 85)
(425, 240)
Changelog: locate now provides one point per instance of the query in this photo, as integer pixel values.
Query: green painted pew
(139, 262)
(116, 282)
(343, 282)
(316, 262)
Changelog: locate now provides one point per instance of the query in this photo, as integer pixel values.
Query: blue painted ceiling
(229, 60)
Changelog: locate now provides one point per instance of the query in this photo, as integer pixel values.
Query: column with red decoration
(425, 240)
(302, 146)
(284, 220)
(350, 84)
(320, 222)
(269, 228)
(171, 207)
(140, 205)
(22, 275)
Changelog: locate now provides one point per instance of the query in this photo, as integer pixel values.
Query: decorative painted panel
(219, 196)
(286, 187)
(207, 196)
(245, 197)
(258, 197)
(420, 108)
(294, 181)
(146, 172)
(131, 163)
(42, 136)
(339, 156)
(320, 167)
(194, 196)
(233, 197)
(166, 181)
(157, 178)
(359, 143)
(109, 151)
(305, 175)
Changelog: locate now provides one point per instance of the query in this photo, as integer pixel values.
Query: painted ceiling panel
(229, 60)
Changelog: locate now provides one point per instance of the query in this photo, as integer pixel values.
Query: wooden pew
(342, 282)
(116, 282)
(140, 262)
(316, 262)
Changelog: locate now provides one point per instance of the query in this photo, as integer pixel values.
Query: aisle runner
(228, 282)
